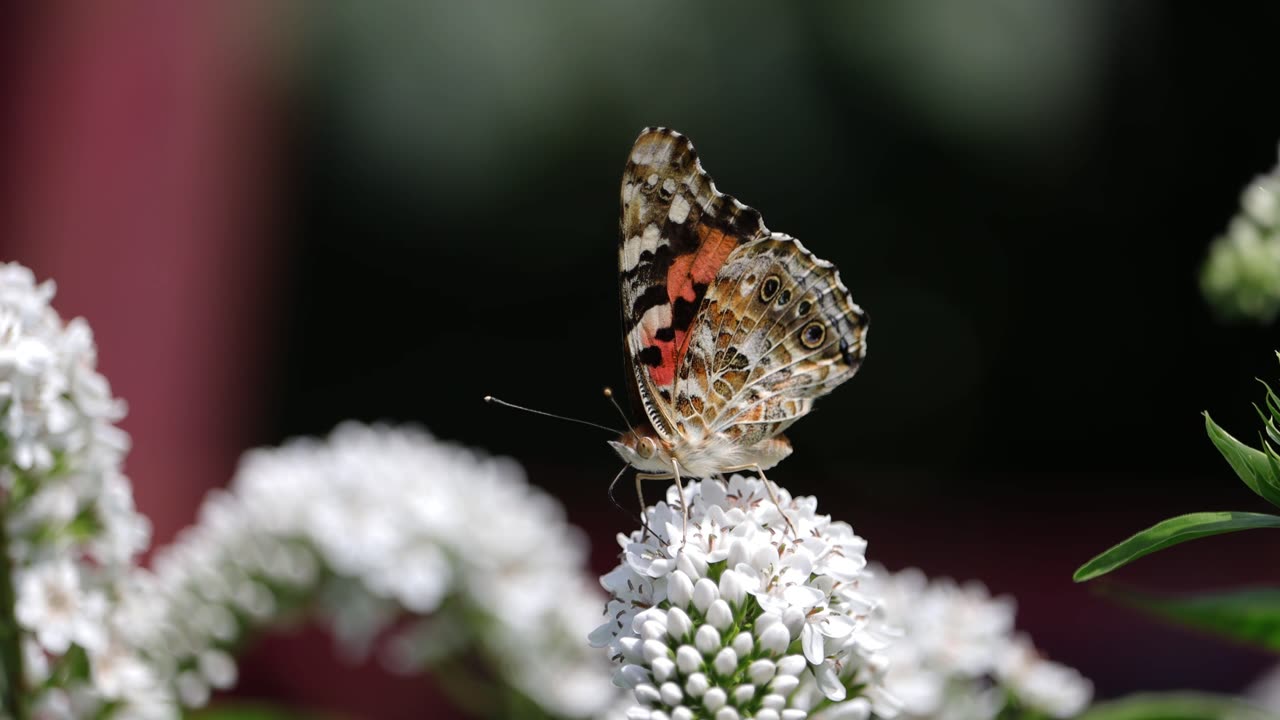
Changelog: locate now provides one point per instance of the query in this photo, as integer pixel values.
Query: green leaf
(1251, 615)
(1175, 706)
(1273, 401)
(1167, 533)
(1253, 466)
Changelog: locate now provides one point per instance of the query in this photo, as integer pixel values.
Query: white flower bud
(720, 615)
(688, 659)
(697, 685)
(742, 643)
(704, 593)
(647, 693)
(639, 713)
(671, 694)
(193, 691)
(856, 709)
(692, 567)
(775, 639)
(792, 665)
(653, 650)
(653, 630)
(714, 699)
(744, 693)
(663, 668)
(682, 713)
(631, 648)
(793, 619)
(629, 676)
(767, 714)
(707, 639)
(726, 661)
(773, 701)
(1261, 203)
(733, 588)
(784, 684)
(678, 624)
(727, 713)
(679, 589)
(761, 671)
(218, 668)
(794, 714)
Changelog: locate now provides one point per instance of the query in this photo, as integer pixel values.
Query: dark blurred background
(279, 216)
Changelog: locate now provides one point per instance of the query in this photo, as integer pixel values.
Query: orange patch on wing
(664, 375)
(701, 267)
(698, 268)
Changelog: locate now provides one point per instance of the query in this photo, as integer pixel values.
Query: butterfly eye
(769, 288)
(784, 298)
(645, 448)
(804, 308)
(812, 334)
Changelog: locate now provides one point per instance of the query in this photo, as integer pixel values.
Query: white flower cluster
(70, 531)
(958, 658)
(372, 524)
(1241, 277)
(741, 614)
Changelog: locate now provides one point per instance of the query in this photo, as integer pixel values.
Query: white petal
(829, 681)
(813, 644)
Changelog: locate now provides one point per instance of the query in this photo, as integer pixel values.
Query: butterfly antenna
(608, 393)
(513, 406)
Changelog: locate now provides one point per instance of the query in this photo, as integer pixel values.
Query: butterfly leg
(684, 505)
(640, 478)
(647, 530)
(774, 497)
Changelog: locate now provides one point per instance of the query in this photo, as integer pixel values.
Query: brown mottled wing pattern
(677, 232)
(777, 330)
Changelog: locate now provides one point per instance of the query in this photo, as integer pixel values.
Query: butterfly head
(644, 452)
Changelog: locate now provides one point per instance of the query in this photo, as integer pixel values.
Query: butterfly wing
(777, 330)
(677, 232)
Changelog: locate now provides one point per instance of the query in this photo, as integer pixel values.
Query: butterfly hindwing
(677, 232)
(777, 330)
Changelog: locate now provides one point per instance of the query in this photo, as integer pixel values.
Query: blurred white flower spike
(373, 525)
(957, 656)
(1241, 275)
(740, 618)
(70, 529)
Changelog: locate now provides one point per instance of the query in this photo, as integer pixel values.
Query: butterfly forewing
(677, 232)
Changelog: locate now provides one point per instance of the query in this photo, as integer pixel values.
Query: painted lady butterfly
(732, 331)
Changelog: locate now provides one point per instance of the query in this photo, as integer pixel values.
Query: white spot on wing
(650, 239)
(653, 320)
(679, 209)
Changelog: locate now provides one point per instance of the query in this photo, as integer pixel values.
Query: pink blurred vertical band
(137, 173)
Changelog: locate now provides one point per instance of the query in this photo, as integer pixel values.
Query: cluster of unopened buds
(743, 613)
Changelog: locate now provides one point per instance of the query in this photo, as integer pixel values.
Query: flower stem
(12, 678)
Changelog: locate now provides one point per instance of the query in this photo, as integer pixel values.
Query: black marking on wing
(650, 356)
(653, 296)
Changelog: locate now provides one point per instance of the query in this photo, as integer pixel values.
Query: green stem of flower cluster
(14, 690)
